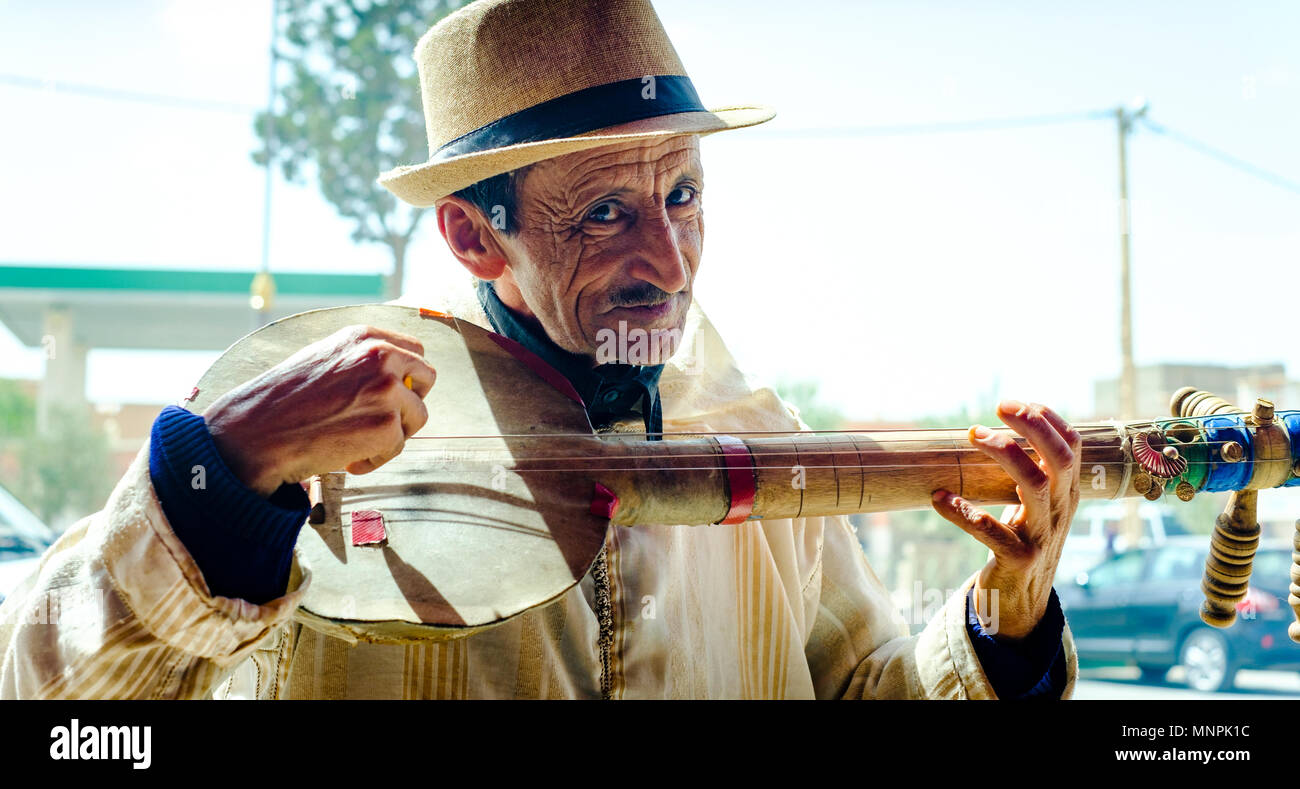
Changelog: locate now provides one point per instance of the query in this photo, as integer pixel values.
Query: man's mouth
(644, 312)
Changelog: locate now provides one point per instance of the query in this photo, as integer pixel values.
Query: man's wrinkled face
(609, 239)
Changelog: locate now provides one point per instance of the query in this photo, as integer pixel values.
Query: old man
(566, 177)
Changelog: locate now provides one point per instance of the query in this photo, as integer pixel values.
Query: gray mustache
(644, 295)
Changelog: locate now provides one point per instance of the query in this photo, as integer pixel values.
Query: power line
(1225, 158)
(989, 124)
(115, 94)
(903, 129)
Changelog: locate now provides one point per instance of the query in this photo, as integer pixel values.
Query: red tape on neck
(742, 479)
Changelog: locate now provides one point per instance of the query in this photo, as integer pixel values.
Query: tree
(803, 395)
(17, 411)
(351, 109)
(61, 474)
(66, 471)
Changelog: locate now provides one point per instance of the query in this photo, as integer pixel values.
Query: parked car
(23, 538)
(1097, 525)
(1142, 607)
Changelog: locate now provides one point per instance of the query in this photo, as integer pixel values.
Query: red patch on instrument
(368, 528)
(604, 503)
(741, 479)
(428, 313)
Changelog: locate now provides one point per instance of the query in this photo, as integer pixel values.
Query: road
(1123, 683)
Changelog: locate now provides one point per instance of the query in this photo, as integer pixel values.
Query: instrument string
(661, 457)
(615, 437)
(756, 451)
(488, 454)
(1106, 427)
(395, 464)
(759, 446)
(778, 433)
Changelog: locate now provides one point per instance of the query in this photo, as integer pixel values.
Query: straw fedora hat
(506, 83)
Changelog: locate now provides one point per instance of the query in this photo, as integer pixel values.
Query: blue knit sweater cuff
(1033, 667)
(242, 542)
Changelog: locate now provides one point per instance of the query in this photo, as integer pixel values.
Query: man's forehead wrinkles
(601, 158)
(615, 174)
(619, 176)
(640, 152)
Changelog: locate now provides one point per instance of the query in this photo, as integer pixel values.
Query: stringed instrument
(502, 501)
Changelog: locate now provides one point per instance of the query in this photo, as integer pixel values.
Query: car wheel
(1206, 659)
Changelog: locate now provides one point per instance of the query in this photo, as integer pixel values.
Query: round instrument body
(469, 539)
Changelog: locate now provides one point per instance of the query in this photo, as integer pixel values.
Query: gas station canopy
(164, 309)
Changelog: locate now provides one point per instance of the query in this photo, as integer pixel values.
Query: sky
(907, 273)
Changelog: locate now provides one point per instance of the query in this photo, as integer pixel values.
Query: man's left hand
(1027, 546)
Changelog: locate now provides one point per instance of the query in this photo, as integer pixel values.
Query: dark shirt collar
(610, 391)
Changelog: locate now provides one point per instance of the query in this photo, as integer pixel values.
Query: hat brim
(423, 184)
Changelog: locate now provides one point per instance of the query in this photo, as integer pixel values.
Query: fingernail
(981, 432)
(939, 495)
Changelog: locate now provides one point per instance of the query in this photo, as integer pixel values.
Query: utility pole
(1125, 118)
(262, 291)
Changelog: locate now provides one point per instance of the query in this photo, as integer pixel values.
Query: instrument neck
(728, 479)
(714, 478)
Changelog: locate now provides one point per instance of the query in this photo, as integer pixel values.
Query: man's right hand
(339, 403)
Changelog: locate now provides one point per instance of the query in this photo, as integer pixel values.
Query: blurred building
(127, 427)
(67, 312)
(1157, 382)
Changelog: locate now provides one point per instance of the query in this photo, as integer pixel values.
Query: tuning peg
(1263, 412)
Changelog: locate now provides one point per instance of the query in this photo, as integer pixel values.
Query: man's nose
(659, 258)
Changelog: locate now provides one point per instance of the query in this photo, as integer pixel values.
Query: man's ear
(470, 238)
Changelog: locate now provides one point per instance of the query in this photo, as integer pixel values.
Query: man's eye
(682, 195)
(605, 212)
